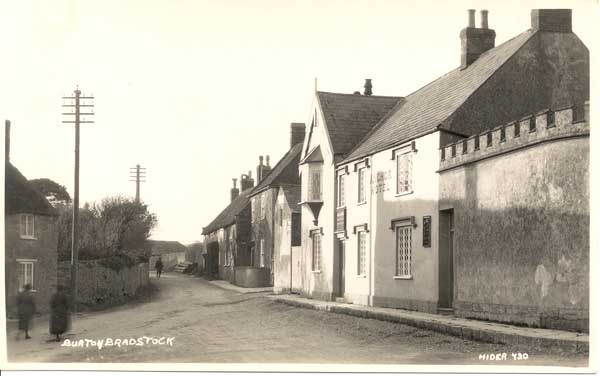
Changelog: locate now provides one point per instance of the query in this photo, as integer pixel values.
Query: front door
(446, 259)
(342, 264)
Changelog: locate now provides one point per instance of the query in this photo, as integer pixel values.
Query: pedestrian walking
(158, 266)
(25, 309)
(60, 315)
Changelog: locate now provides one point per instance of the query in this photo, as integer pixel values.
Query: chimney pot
(268, 161)
(471, 18)
(368, 87)
(484, 19)
(260, 159)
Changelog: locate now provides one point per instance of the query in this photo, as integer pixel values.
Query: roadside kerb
(475, 330)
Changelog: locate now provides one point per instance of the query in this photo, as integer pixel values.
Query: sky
(195, 91)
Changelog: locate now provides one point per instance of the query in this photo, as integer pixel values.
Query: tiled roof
(161, 247)
(432, 105)
(350, 116)
(227, 216)
(21, 197)
(284, 172)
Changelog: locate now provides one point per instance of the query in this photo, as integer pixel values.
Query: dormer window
(27, 226)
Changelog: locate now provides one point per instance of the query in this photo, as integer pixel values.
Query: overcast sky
(195, 91)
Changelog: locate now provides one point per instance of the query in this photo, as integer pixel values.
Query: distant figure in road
(60, 315)
(25, 309)
(158, 266)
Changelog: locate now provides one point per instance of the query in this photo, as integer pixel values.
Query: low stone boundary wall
(100, 286)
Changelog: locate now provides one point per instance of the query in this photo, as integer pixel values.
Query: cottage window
(550, 119)
(316, 251)
(314, 188)
(476, 142)
(280, 217)
(25, 273)
(342, 191)
(263, 205)
(27, 226)
(403, 251)
(362, 185)
(404, 172)
(262, 253)
(517, 129)
(503, 135)
(362, 253)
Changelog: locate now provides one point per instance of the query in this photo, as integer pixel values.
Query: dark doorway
(342, 266)
(212, 262)
(446, 260)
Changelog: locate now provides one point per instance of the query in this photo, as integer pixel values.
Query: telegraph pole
(75, 104)
(139, 175)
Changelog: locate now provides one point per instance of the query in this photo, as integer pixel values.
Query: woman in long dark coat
(25, 309)
(60, 316)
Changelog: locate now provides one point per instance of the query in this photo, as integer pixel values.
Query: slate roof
(433, 105)
(21, 197)
(350, 116)
(227, 216)
(161, 247)
(284, 172)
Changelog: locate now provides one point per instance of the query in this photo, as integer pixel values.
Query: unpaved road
(209, 324)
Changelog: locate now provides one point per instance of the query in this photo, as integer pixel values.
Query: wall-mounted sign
(427, 231)
(382, 183)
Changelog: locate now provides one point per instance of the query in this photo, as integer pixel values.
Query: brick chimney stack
(246, 181)
(298, 132)
(554, 20)
(7, 140)
(235, 191)
(368, 87)
(475, 41)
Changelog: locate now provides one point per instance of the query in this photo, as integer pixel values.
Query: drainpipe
(371, 266)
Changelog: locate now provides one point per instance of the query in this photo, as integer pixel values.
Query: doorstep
(477, 330)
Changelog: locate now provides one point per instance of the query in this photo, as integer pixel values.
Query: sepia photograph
(298, 186)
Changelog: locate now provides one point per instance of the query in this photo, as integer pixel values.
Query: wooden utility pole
(75, 104)
(138, 174)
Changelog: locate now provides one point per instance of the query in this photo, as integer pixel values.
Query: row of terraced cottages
(469, 196)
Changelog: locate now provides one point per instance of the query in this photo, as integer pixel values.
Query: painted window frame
(341, 191)
(407, 183)
(362, 185)
(315, 169)
(361, 254)
(23, 263)
(398, 272)
(26, 222)
(316, 250)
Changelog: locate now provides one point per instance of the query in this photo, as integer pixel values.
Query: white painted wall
(381, 208)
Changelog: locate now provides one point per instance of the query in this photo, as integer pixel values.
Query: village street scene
(230, 192)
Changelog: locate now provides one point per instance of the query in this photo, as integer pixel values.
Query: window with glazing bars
(404, 173)
(25, 274)
(316, 251)
(362, 185)
(342, 191)
(403, 251)
(362, 253)
(315, 184)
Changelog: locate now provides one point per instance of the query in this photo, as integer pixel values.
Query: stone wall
(521, 221)
(100, 286)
